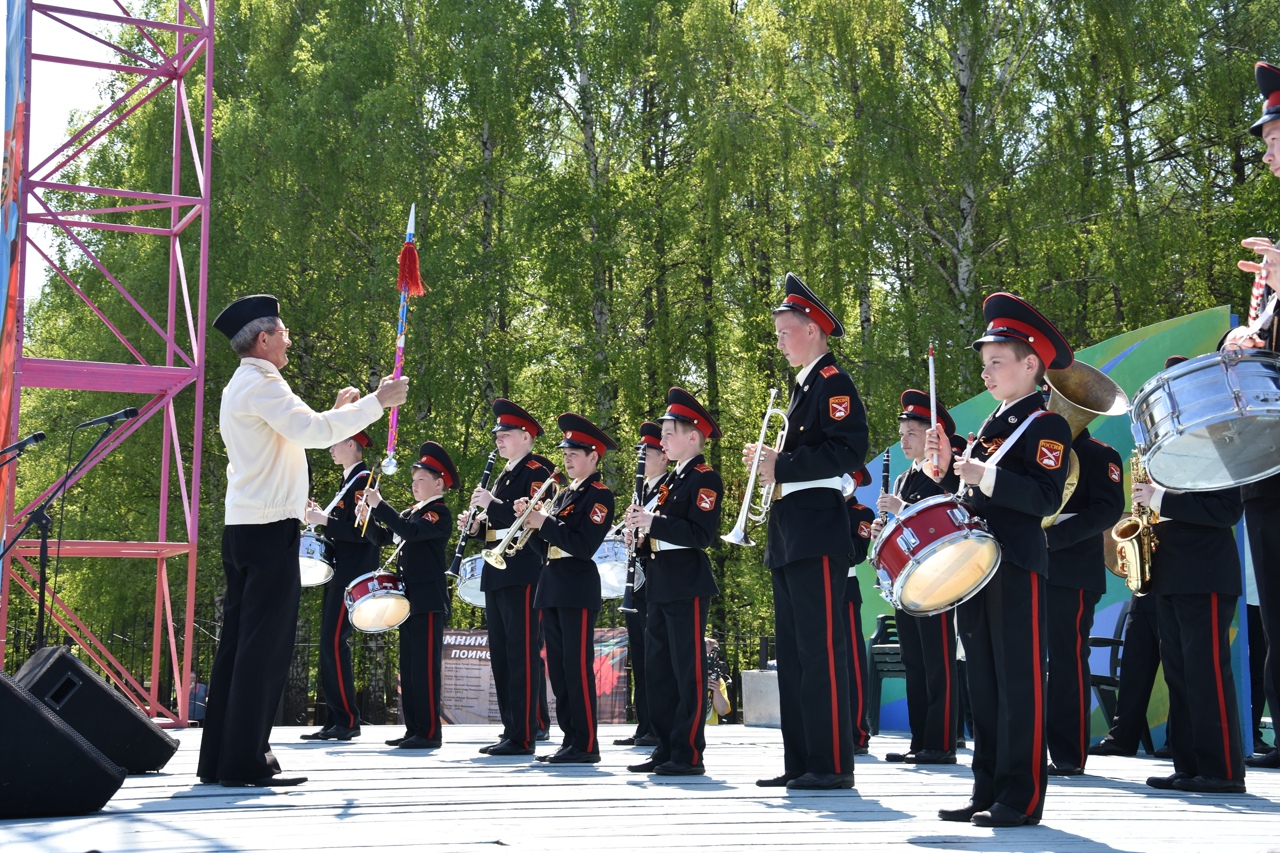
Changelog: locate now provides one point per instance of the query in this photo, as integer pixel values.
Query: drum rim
(986, 579)
(914, 509)
(1194, 365)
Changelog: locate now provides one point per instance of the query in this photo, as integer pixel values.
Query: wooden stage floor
(363, 796)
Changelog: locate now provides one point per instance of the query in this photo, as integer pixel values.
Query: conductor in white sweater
(266, 429)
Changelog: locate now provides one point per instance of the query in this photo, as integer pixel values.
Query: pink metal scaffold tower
(171, 51)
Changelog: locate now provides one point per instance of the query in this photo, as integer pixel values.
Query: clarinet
(471, 517)
(628, 592)
(884, 481)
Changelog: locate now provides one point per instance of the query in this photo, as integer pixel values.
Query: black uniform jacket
(421, 562)
(688, 513)
(1196, 551)
(1076, 543)
(826, 437)
(914, 485)
(860, 518)
(1029, 483)
(354, 553)
(521, 480)
(580, 519)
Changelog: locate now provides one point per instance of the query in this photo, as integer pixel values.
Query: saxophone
(1134, 538)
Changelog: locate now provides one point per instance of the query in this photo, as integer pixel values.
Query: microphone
(34, 438)
(122, 415)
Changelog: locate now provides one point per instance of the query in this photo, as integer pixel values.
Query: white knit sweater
(265, 428)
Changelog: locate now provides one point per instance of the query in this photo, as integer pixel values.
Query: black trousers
(677, 668)
(336, 677)
(1070, 621)
(813, 670)
(636, 651)
(1262, 519)
(928, 646)
(1204, 719)
(1139, 664)
(259, 624)
(571, 652)
(421, 656)
(515, 655)
(1004, 634)
(1257, 673)
(857, 662)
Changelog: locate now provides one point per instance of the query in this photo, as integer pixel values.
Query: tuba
(1134, 538)
(1080, 394)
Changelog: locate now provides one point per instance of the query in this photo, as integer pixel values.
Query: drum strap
(994, 459)
(342, 491)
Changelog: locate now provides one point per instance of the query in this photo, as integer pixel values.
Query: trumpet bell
(494, 558)
(738, 536)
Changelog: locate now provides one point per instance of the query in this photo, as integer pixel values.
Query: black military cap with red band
(583, 434)
(802, 300)
(511, 416)
(1268, 77)
(683, 406)
(432, 457)
(1010, 318)
(915, 407)
(650, 436)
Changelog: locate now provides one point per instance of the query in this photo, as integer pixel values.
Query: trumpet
(517, 536)
(738, 536)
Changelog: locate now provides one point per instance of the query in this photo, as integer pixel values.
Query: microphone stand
(39, 517)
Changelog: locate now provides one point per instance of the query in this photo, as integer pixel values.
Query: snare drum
(933, 556)
(315, 559)
(1212, 422)
(376, 602)
(611, 561)
(469, 580)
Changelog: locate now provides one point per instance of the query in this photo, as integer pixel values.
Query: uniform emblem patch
(533, 489)
(706, 500)
(1113, 470)
(839, 407)
(829, 371)
(864, 529)
(1049, 454)
(431, 517)
(599, 513)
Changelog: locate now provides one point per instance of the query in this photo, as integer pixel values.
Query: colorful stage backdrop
(15, 108)
(1130, 359)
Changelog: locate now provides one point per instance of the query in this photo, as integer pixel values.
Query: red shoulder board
(704, 468)
(533, 463)
(829, 371)
(599, 485)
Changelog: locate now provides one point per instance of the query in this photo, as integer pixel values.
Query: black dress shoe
(484, 750)
(644, 766)
(1166, 783)
(1001, 815)
(547, 756)
(932, 756)
(821, 782)
(509, 748)
(1107, 746)
(678, 768)
(323, 734)
(862, 750)
(961, 815)
(900, 756)
(1165, 751)
(647, 740)
(1269, 761)
(264, 782)
(777, 781)
(1210, 785)
(624, 741)
(396, 741)
(419, 742)
(208, 780)
(573, 755)
(1065, 770)
(339, 733)
(544, 735)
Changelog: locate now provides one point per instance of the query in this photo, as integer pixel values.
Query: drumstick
(933, 404)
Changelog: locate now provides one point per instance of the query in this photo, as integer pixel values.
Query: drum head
(611, 561)
(469, 585)
(314, 572)
(948, 576)
(1229, 452)
(379, 612)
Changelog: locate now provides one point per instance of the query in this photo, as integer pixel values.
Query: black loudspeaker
(48, 769)
(89, 705)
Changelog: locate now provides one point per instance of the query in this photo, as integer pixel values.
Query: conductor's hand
(346, 397)
(889, 503)
(1239, 337)
(392, 392)
(1267, 267)
(315, 515)
(768, 461)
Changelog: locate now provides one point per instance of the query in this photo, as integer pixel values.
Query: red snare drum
(376, 602)
(933, 556)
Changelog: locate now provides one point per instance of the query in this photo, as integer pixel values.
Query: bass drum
(934, 556)
(315, 559)
(376, 602)
(1211, 422)
(611, 561)
(469, 573)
